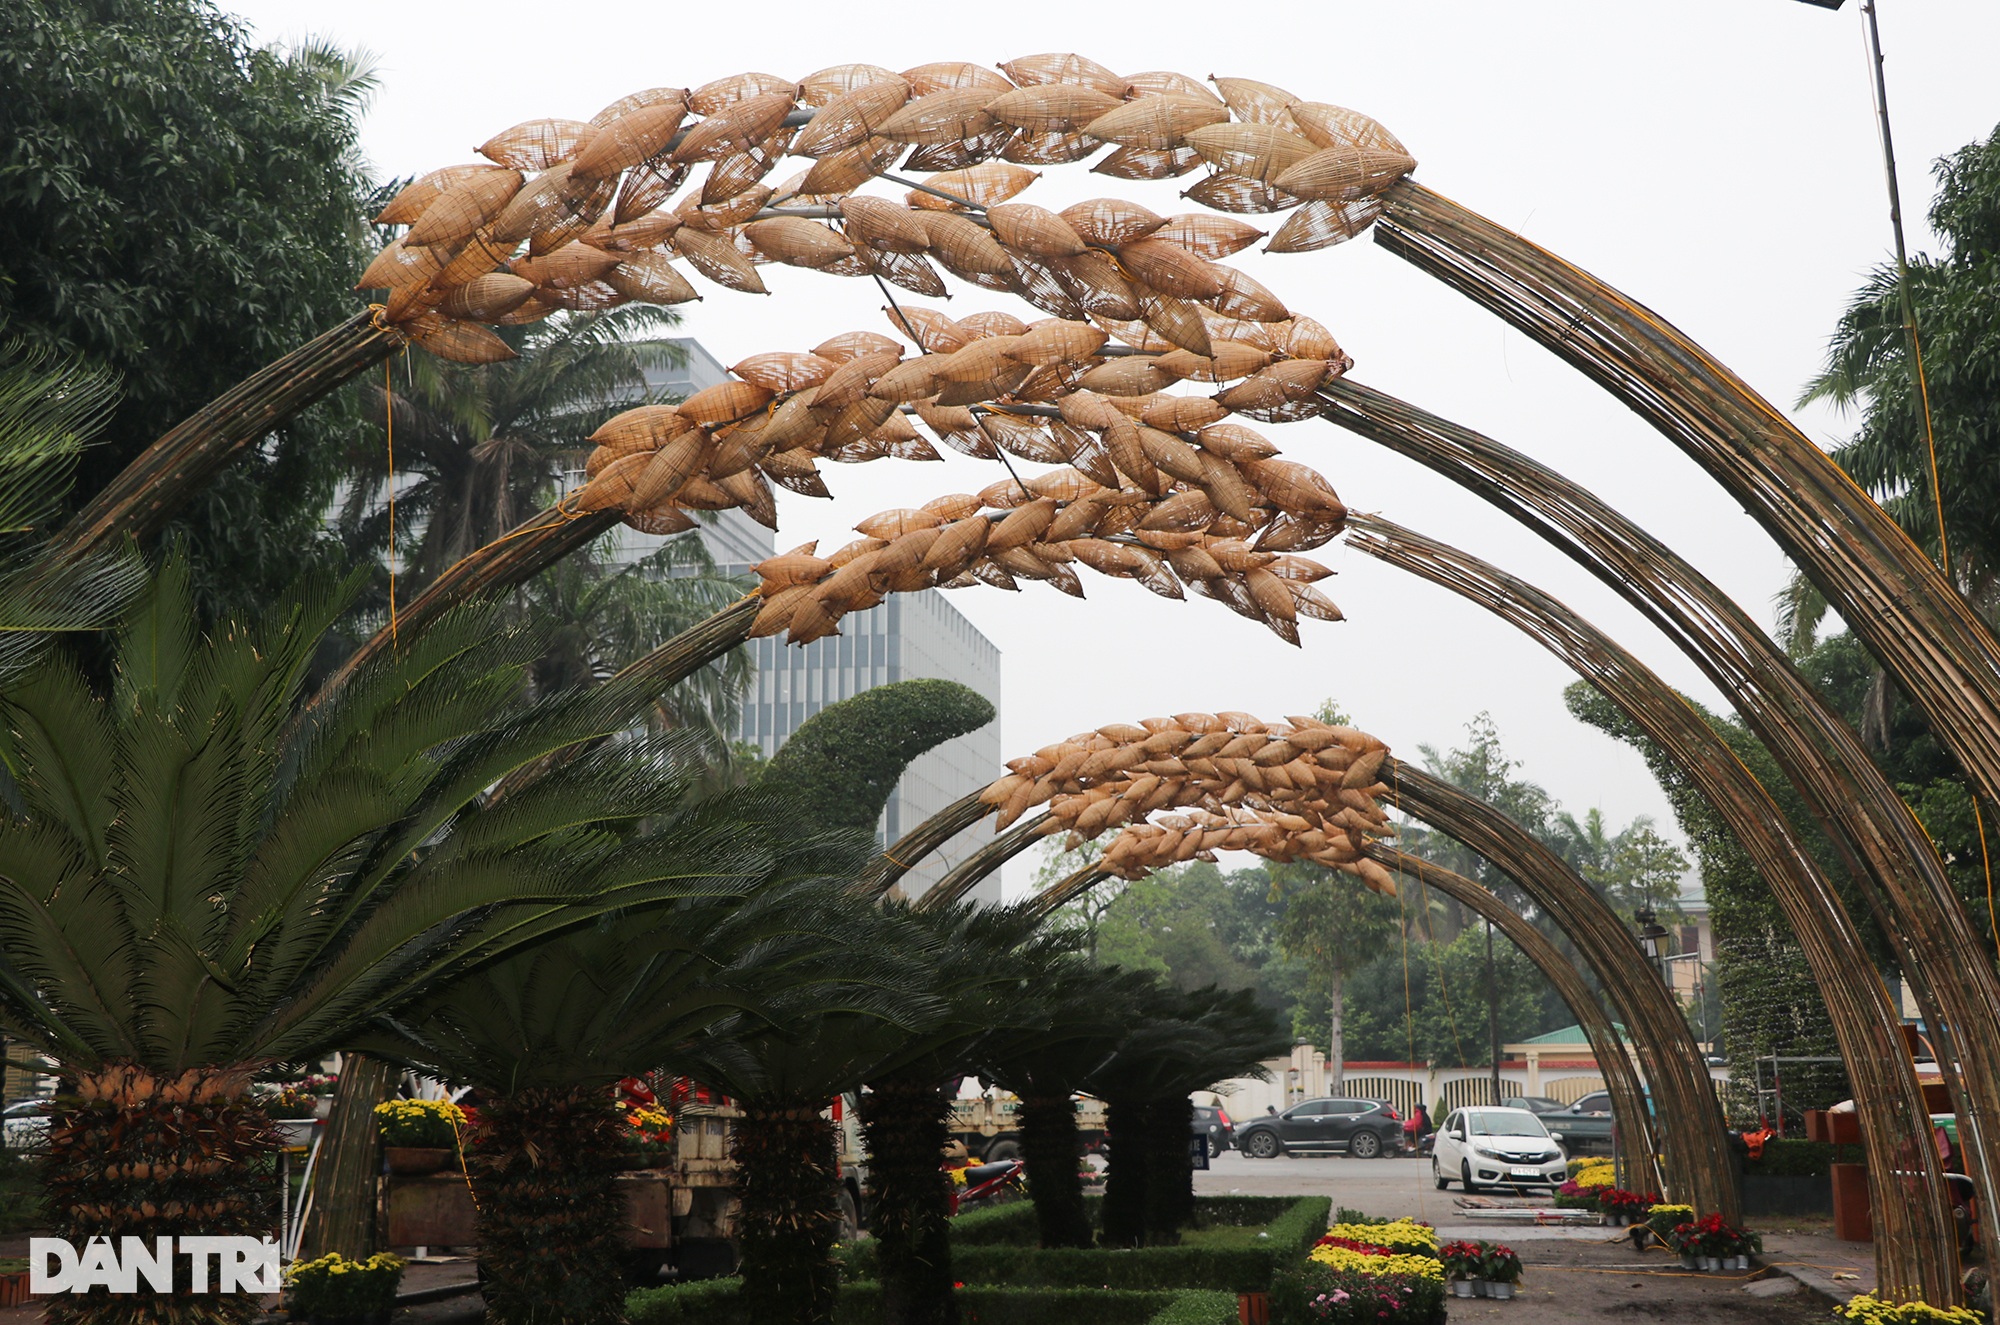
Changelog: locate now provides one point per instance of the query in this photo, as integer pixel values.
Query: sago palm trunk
(1125, 1181)
(905, 1125)
(1049, 1145)
(139, 1154)
(788, 1213)
(1169, 1180)
(550, 1218)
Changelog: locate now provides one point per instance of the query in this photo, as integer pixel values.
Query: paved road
(1389, 1188)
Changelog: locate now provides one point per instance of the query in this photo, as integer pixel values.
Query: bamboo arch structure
(1887, 852)
(599, 187)
(1917, 1250)
(1696, 1162)
(1636, 1148)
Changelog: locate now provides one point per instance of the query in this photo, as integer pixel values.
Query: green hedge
(1803, 1159)
(715, 1302)
(1002, 1253)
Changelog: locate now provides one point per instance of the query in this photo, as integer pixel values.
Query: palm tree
(1089, 1010)
(545, 1034)
(1183, 1042)
(600, 619)
(49, 409)
(478, 449)
(199, 880)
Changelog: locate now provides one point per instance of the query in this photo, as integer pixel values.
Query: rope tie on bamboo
(561, 510)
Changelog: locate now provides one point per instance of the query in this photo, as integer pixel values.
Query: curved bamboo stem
(1695, 1155)
(1911, 617)
(147, 492)
(1639, 1147)
(1064, 891)
(1916, 1243)
(898, 859)
(995, 853)
(532, 546)
(1885, 849)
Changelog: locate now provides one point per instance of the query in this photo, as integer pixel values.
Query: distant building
(903, 638)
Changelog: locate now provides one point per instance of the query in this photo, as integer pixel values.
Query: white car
(1482, 1147)
(26, 1125)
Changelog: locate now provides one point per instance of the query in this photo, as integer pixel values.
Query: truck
(989, 1127)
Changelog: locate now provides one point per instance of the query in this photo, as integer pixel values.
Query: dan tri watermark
(230, 1264)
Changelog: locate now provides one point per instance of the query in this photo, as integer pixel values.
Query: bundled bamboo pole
(1695, 1160)
(1911, 617)
(1637, 1149)
(147, 492)
(1887, 852)
(1917, 1241)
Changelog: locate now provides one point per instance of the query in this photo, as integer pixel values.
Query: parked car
(1213, 1123)
(25, 1124)
(1586, 1125)
(1481, 1146)
(1362, 1128)
(1533, 1103)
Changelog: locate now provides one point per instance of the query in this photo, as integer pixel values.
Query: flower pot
(323, 1106)
(415, 1159)
(1690, 1261)
(1499, 1290)
(1739, 1263)
(1711, 1263)
(1464, 1288)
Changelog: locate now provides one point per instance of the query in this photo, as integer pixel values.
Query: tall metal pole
(1903, 297)
(1493, 1011)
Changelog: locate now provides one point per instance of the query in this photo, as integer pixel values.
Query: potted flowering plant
(1621, 1207)
(1500, 1267)
(334, 1290)
(419, 1136)
(1464, 1266)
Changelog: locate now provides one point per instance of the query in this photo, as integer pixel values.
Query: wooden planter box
(435, 1210)
(1773, 1195)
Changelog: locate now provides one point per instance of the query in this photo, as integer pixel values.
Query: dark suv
(1361, 1128)
(1213, 1124)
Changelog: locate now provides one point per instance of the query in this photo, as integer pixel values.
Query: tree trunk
(1125, 1194)
(1049, 1144)
(550, 1218)
(342, 1217)
(1169, 1179)
(904, 1124)
(789, 1213)
(1336, 1040)
(138, 1154)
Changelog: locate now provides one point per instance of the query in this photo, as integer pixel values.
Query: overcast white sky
(1715, 159)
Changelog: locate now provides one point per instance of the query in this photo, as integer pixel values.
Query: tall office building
(905, 637)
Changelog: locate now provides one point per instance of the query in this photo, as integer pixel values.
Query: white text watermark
(215, 1264)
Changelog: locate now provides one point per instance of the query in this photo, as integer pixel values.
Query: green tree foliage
(47, 410)
(180, 208)
(1331, 926)
(840, 766)
(479, 447)
(1868, 368)
(1440, 1015)
(1767, 998)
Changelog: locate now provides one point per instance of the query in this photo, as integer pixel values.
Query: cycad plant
(202, 879)
(545, 1034)
(990, 965)
(1181, 1042)
(784, 1070)
(49, 409)
(1089, 1011)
